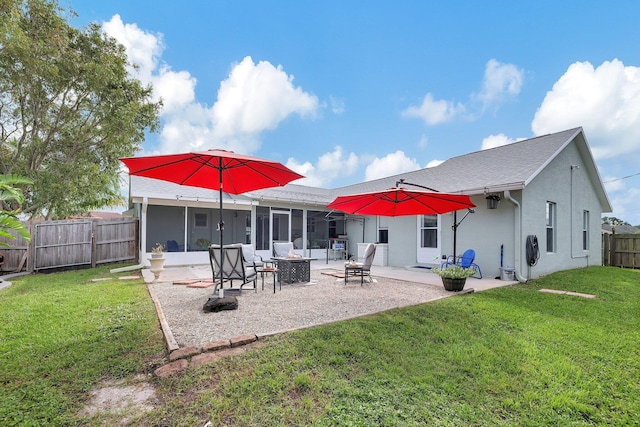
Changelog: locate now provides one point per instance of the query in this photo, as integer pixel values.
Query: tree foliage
(68, 109)
(11, 199)
(612, 220)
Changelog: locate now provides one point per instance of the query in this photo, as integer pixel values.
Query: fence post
(31, 248)
(612, 245)
(94, 246)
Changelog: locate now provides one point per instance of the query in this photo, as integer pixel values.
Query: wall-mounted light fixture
(492, 201)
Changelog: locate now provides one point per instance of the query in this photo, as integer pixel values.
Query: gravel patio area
(324, 299)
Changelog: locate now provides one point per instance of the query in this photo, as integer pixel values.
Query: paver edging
(181, 358)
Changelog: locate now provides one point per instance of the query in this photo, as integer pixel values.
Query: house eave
(290, 200)
(197, 202)
(493, 189)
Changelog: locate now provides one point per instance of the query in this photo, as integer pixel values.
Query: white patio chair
(233, 268)
(361, 268)
(251, 257)
(282, 249)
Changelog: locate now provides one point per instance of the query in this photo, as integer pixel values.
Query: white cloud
(143, 49)
(257, 97)
(391, 164)
(176, 89)
(493, 141)
(500, 81)
(254, 98)
(424, 142)
(605, 101)
(311, 177)
(330, 166)
(434, 163)
(623, 196)
(434, 112)
(612, 184)
(337, 105)
(625, 206)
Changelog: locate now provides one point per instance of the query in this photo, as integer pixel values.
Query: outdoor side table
(267, 270)
(356, 270)
(293, 269)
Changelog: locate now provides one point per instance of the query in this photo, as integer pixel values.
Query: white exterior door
(280, 226)
(428, 239)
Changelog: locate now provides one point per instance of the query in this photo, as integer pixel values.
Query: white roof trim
(196, 203)
(552, 157)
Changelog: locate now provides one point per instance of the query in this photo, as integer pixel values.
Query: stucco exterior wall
(402, 241)
(571, 190)
(485, 231)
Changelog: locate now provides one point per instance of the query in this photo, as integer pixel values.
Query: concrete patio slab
(203, 273)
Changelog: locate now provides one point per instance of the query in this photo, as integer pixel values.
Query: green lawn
(60, 334)
(508, 356)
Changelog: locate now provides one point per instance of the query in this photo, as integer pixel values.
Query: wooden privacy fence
(621, 250)
(58, 244)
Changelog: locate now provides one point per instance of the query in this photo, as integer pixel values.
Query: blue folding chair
(465, 261)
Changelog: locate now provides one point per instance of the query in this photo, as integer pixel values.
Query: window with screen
(551, 227)
(429, 231)
(585, 230)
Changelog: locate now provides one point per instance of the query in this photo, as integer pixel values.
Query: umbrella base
(216, 304)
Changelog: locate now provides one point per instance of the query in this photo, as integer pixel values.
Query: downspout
(518, 236)
(571, 214)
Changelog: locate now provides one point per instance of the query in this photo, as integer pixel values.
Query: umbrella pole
(221, 229)
(455, 231)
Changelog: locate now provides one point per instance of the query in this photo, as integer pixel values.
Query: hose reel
(533, 251)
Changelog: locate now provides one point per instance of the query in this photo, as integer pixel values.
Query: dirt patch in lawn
(119, 402)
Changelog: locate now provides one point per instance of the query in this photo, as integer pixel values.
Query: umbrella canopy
(214, 169)
(220, 170)
(400, 202)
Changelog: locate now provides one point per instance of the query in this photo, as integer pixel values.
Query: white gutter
(518, 236)
(492, 188)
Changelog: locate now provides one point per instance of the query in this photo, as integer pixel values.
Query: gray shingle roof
(507, 167)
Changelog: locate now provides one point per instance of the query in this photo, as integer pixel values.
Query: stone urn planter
(157, 260)
(157, 266)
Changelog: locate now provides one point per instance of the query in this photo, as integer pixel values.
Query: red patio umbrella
(220, 170)
(401, 202)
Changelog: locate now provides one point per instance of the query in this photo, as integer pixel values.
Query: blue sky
(346, 91)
